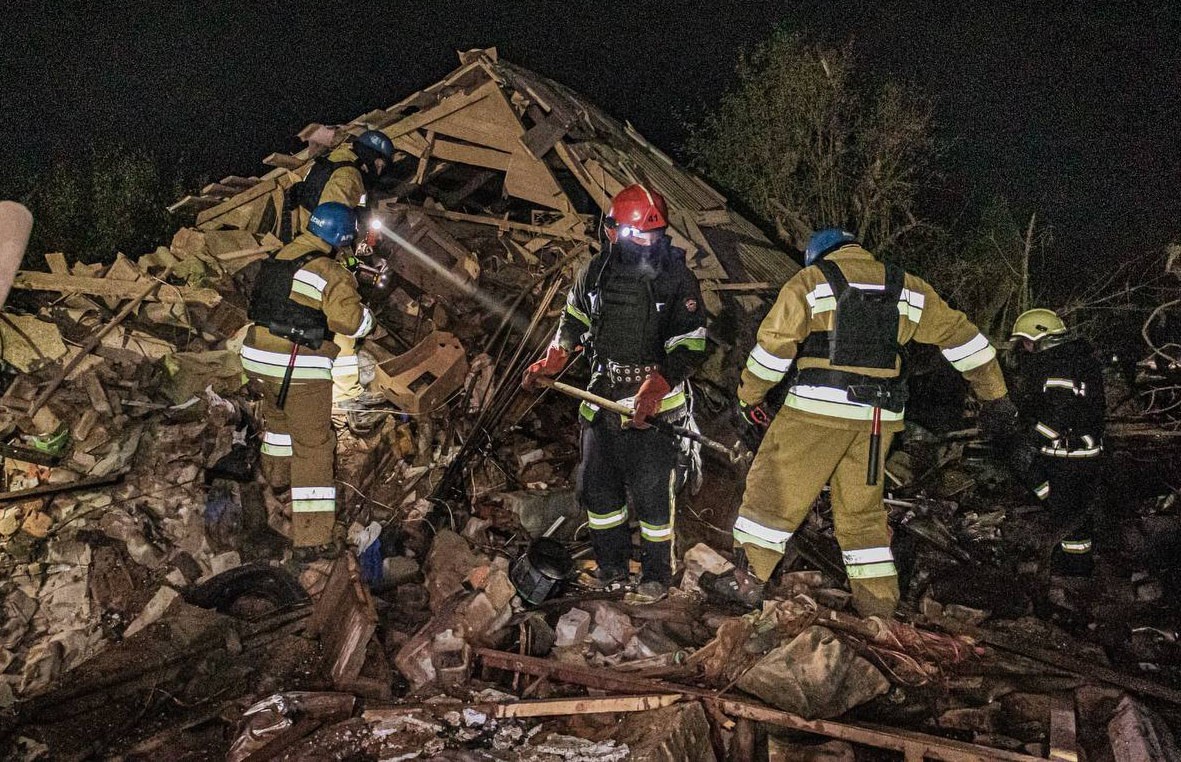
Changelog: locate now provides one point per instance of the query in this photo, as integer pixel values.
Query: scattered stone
(573, 627)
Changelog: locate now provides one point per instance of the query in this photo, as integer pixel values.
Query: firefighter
(636, 310)
(347, 175)
(1059, 391)
(840, 326)
(302, 297)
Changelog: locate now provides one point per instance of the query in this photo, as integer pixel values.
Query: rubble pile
(152, 608)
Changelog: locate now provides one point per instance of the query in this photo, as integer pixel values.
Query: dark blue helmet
(378, 142)
(824, 241)
(334, 223)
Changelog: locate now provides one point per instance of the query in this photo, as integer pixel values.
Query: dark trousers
(624, 468)
(1074, 483)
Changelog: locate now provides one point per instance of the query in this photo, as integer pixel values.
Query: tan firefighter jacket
(322, 284)
(806, 305)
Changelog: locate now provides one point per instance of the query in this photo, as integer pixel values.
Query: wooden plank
(284, 161)
(217, 189)
(532, 180)
(242, 183)
(445, 107)
(245, 197)
(545, 134)
(506, 225)
(588, 183)
(490, 122)
(31, 280)
(477, 156)
(896, 739)
(194, 204)
(57, 263)
(1066, 663)
(1062, 728)
(539, 707)
(96, 339)
(425, 159)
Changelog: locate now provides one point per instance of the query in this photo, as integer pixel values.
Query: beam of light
(466, 287)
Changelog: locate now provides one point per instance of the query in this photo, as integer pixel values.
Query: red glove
(548, 366)
(648, 399)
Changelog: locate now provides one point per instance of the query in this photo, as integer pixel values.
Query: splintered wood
(344, 618)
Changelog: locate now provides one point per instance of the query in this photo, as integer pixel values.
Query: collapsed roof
(493, 143)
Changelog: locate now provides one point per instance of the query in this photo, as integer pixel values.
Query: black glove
(998, 418)
(753, 421)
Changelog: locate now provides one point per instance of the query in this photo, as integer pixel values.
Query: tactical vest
(306, 193)
(271, 304)
(864, 335)
(626, 326)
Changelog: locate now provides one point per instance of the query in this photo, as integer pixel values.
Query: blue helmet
(378, 142)
(824, 241)
(334, 223)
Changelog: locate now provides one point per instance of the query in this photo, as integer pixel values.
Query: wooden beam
(1071, 664)
(906, 741)
(31, 280)
(425, 159)
(540, 707)
(445, 106)
(543, 136)
(448, 150)
(483, 219)
(96, 339)
(194, 204)
(284, 161)
(1063, 746)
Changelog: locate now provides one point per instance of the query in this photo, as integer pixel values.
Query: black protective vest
(309, 190)
(306, 193)
(626, 326)
(864, 335)
(865, 324)
(271, 304)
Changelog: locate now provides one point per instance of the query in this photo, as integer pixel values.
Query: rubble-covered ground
(152, 611)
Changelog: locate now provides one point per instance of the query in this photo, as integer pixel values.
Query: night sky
(1070, 109)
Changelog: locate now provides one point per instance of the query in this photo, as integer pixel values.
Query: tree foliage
(93, 205)
(807, 142)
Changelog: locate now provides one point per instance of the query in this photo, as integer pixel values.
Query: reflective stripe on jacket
(806, 305)
(321, 284)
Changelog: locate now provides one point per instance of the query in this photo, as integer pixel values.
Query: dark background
(1068, 109)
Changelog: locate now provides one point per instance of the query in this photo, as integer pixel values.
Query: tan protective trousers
(299, 448)
(796, 459)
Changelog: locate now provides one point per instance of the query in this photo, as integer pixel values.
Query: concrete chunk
(572, 628)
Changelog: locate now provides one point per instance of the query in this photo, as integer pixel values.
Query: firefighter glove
(753, 421)
(998, 418)
(648, 399)
(754, 415)
(548, 366)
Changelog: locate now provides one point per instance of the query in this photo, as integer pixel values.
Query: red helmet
(636, 207)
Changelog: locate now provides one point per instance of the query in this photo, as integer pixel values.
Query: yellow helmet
(1037, 324)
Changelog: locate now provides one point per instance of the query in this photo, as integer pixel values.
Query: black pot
(541, 571)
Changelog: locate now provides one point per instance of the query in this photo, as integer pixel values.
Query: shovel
(665, 427)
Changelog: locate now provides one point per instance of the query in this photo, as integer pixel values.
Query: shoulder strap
(895, 278)
(834, 276)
